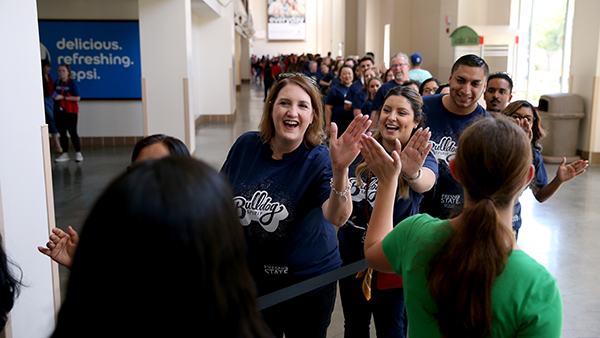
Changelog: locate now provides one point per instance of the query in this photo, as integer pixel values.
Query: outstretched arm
(342, 152)
(564, 174)
(61, 247)
(386, 168)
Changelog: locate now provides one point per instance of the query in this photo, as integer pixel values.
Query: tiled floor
(562, 233)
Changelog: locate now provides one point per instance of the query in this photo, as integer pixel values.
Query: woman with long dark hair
(526, 115)
(162, 254)
(62, 245)
(401, 119)
(466, 277)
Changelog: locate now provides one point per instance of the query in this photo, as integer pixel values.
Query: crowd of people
(424, 186)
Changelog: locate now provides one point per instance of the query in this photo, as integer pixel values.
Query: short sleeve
(394, 244)
(544, 312)
(330, 97)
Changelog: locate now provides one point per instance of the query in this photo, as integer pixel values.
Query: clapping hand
(386, 167)
(343, 150)
(414, 154)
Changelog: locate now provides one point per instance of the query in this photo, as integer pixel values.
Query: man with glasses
(400, 67)
(447, 117)
(498, 93)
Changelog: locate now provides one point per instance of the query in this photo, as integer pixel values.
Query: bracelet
(415, 180)
(341, 194)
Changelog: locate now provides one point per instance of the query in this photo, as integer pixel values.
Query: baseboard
(214, 118)
(595, 157)
(110, 141)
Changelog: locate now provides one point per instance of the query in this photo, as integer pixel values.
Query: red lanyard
(62, 87)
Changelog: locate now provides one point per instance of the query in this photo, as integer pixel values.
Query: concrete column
(585, 74)
(26, 202)
(166, 52)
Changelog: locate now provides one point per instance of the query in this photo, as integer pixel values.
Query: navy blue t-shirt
(540, 180)
(352, 235)
(359, 100)
(279, 205)
(339, 115)
(382, 92)
(446, 127)
(367, 107)
(355, 87)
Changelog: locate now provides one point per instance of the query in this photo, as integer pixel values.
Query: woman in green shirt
(466, 277)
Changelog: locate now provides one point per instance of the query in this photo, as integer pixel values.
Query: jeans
(305, 316)
(49, 108)
(386, 307)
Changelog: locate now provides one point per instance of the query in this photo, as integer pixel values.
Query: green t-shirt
(526, 301)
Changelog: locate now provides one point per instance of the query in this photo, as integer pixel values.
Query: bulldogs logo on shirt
(445, 150)
(262, 209)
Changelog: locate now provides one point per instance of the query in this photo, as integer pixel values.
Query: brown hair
(416, 103)
(314, 134)
(492, 163)
(536, 128)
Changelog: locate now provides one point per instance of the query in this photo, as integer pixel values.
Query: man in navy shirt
(447, 115)
(363, 65)
(400, 68)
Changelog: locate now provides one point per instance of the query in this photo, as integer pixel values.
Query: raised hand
(414, 154)
(343, 150)
(387, 168)
(568, 172)
(61, 247)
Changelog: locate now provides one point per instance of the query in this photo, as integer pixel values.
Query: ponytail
(492, 163)
(463, 272)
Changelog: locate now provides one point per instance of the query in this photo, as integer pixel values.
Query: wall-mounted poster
(287, 19)
(104, 56)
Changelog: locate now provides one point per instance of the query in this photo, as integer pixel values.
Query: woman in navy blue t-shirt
(334, 105)
(290, 191)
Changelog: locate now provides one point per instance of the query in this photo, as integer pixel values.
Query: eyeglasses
(399, 65)
(429, 90)
(518, 117)
(304, 76)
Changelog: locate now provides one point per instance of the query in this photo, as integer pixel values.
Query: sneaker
(78, 157)
(63, 158)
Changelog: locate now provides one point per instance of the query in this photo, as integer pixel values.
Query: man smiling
(447, 116)
(498, 92)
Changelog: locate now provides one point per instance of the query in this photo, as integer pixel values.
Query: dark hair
(441, 87)
(493, 160)
(422, 86)
(365, 58)
(536, 127)
(471, 60)
(175, 146)
(10, 286)
(162, 252)
(412, 82)
(416, 104)
(45, 63)
(504, 76)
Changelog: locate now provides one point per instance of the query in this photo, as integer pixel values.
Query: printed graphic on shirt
(276, 270)
(445, 149)
(358, 192)
(262, 209)
(450, 201)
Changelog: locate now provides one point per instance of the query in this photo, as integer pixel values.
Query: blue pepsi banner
(104, 56)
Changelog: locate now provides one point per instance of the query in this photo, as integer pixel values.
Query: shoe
(78, 157)
(63, 158)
